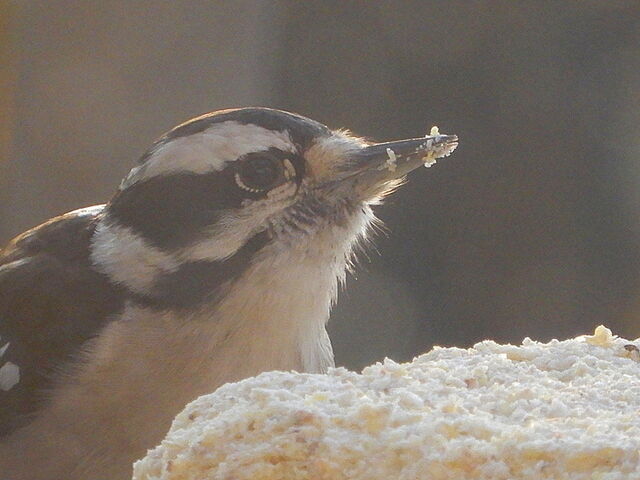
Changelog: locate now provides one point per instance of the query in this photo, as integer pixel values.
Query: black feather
(51, 302)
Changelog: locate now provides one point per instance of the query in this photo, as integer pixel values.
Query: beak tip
(402, 156)
(438, 146)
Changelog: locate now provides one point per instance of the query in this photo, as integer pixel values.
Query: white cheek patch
(9, 376)
(223, 243)
(127, 258)
(209, 151)
(232, 231)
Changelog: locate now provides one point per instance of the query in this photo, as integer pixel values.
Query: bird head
(233, 188)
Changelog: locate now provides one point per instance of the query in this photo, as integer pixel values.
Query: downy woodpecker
(218, 258)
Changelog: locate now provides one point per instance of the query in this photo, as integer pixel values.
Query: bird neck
(272, 316)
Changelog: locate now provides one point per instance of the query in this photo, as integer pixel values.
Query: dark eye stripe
(173, 211)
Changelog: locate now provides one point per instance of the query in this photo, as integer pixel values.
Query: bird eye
(259, 173)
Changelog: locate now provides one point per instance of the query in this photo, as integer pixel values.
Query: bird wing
(51, 302)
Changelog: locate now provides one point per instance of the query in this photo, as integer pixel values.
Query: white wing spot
(9, 376)
(4, 348)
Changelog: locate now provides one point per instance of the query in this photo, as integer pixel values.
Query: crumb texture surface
(562, 410)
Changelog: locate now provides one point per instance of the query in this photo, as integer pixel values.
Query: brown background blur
(532, 228)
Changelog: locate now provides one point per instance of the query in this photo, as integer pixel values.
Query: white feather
(127, 257)
(233, 230)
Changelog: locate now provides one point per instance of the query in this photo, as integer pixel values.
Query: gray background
(531, 229)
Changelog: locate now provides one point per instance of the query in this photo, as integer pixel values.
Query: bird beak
(371, 170)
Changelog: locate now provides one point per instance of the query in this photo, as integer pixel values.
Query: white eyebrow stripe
(209, 151)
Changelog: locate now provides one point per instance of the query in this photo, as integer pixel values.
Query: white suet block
(564, 409)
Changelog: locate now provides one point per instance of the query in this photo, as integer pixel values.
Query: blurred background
(532, 228)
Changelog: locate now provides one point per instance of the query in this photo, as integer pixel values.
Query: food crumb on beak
(391, 161)
(430, 159)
